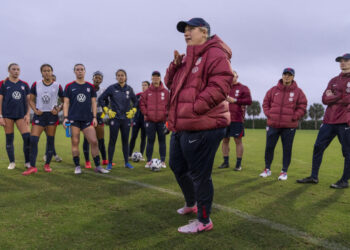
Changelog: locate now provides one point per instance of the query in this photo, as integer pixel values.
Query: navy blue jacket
(138, 118)
(119, 99)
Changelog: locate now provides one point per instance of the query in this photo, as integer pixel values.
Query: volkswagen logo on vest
(45, 99)
(81, 98)
(16, 95)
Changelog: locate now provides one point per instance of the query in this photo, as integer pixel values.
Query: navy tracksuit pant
(325, 136)
(191, 159)
(151, 129)
(134, 132)
(114, 126)
(287, 137)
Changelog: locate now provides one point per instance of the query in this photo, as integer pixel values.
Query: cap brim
(339, 58)
(181, 26)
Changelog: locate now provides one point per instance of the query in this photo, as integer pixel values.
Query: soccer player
(119, 95)
(14, 108)
(44, 95)
(284, 105)
(138, 123)
(336, 122)
(238, 98)
(80, 111)
(154, 105)
(198, 116)
(97, 80)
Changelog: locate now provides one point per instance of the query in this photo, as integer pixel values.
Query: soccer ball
(156, 165)
(136, 156)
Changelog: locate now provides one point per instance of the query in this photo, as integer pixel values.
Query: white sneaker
(266, 173)
(44, 158)
(163, 164)
(142, 159)
(57, 158)
(187, 210)
(148, 165)
(101, 170)
(12, 165)
(77, 170)
(195, 226)
(27, 165)
(283, 176)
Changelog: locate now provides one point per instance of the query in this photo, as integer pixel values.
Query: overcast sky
(140, 36)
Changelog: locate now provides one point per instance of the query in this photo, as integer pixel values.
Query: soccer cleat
(266, 173)
(309, 179)
(340, 185)
(109, 166)
(88, 164)
(11, 166)
(101, 170)
(163, 164)
(77, 170)
(224, 165)
(30, 170)
(283, 176)
(239, 168)
(47, 168)
(44, 158)
(128, 165)
(148, 164)
(195, 226)
(104, 162)
(57, 158)
(27, 165)
(187, 210)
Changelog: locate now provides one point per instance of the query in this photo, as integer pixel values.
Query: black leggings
(114, 126)
(134, 133)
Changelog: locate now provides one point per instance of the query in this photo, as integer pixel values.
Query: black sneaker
(224, 165)
(340, 185)
(238, 168)
(309, 179)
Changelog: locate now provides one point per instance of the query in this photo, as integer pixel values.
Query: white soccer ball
(136, 156)
(156, 165)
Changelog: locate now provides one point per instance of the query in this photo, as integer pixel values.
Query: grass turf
(59, 210)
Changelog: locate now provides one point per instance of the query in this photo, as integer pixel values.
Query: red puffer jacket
(337, 111)
(199, 87)
(284, 105)
(154, 103)
(241, 93)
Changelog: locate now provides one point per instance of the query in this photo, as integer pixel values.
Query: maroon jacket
(237, 109)
(199, 87)
(154, 103)
(284, 106)
(337, 111)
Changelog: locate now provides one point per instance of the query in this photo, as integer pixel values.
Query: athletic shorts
(46, 119)
(235, 129)
(81, 124)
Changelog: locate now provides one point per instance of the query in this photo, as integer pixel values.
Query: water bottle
(68, 130)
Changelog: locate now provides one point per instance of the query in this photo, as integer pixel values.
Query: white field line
(273, 225)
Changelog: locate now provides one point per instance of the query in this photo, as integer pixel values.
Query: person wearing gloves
(119, 95)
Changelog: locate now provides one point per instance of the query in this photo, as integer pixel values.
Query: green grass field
(59, 210)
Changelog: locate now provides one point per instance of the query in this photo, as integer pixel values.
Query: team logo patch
(36, 121)
(199, 60)
(22, 87)
(290, 99)
(347, 90)
(162, 93)
(16, 95)
(46, 99)
(81, 98)
(348, 85)
(195, 70)
(88, 89)
(127, 92)
(291, 94)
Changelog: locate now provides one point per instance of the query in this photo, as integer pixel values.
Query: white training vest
(99, 93)
(46, 96)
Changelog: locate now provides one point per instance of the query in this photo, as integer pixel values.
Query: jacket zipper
(284, 93)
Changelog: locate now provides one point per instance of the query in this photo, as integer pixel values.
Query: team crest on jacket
(291, 99)
(195, 70)
(291, 94)
(88, 89)
(22, 87)
(199, 60)
(237, 92)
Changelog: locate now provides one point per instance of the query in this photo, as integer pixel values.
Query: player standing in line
(138, 123)
(80, 112)
(44, 95)
(119, 95)
(238, 98)
(14, 108)
(154, 105)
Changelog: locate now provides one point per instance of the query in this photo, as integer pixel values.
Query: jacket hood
(213, 42)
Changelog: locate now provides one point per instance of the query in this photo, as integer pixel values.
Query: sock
(26, 146)
(9, 147)
(238, 162)
(86, 146)
(33, 150)
(226, 159)
(50, 145)
(101, 146)
(97, 160)
(76, 160)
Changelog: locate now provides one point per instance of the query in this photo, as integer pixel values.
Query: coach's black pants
(287, 137)
(325, 136)
(151, 129)
(191, 159)
(137, 126)
(114, 126)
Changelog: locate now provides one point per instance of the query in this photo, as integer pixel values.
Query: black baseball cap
(194, 22)
(289, 70)
(97, 73)
(345, 56)
(156, 73)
